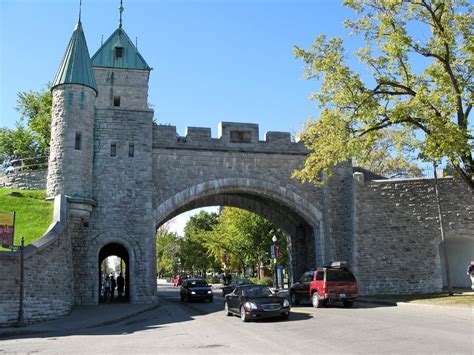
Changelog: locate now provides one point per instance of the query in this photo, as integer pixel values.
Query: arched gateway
(127, 175)
(124, 176)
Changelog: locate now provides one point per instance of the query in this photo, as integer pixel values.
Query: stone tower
(70, 170)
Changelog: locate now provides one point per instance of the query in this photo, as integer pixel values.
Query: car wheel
(182, 298)
(243, 316)
(315, 300)
(285, 316)
(210, 299)
(348, 304)
(226, 310)
(293, 298)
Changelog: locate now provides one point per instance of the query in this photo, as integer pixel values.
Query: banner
(7, 229)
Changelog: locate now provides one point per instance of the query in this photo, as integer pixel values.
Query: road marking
(302, 311)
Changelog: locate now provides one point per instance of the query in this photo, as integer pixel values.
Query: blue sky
(213, 60)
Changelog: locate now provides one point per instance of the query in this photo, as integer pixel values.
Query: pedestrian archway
(122, 257)
(460, 254)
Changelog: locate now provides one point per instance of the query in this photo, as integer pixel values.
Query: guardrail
(24, 164)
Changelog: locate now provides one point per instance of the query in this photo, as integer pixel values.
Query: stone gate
(123, 176)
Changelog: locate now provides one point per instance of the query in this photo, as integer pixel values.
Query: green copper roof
(76, 65)
(107, 56)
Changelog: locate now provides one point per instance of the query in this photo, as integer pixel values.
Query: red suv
(331, 283)
(178, 279)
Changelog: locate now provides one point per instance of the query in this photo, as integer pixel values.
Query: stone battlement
(231, 136)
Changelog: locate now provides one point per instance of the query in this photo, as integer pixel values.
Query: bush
(212, 279)
(267, 281)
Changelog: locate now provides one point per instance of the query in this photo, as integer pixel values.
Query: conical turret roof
(76, 65)
(129, 58)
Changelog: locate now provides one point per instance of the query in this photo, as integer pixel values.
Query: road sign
(7, 228)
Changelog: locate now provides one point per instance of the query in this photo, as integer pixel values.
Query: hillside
(33, 213)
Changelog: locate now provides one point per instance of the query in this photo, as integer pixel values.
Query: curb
(381, 302)
(24, 332)
(16, 333)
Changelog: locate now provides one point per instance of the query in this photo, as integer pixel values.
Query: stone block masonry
(48, 291)
(397, 236)
(24, 180)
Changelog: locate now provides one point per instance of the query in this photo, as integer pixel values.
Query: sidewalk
(393, 302)
(82, 317)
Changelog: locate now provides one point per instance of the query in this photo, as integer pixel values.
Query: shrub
(267, 281)
(212, 279)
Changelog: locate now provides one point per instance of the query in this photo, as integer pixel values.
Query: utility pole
(441, 227)
(21, 320)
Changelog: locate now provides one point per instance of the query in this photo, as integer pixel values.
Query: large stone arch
(289, 211)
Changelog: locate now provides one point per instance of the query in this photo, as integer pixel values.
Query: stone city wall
(48, 284)
(231, 136)
(24, 180)
(397, 236)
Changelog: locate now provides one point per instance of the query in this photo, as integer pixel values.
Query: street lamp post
(274, 254)
(441, 228)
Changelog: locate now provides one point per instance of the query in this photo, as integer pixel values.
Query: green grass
(33, 213)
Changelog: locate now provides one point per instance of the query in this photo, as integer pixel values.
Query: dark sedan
(252, 302)
(236, 282)
(195, 289)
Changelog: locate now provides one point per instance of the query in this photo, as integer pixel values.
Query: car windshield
(339, 275)
(243, 282)
(197, 283)
(256, 291)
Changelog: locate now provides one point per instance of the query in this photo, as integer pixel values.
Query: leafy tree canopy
(236, 237)
(194, 252)
(32, 131)
(419, 96)
(167, 251)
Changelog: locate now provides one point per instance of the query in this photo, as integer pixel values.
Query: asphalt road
(191, 328)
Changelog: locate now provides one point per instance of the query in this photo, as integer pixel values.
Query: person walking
(470, 273)
(120, 285)
(107, 289)
(113, 284)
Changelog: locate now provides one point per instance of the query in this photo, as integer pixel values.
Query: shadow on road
(171, 310)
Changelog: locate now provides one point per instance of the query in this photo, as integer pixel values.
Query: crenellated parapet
(232, 136)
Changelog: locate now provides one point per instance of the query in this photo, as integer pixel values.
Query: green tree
(419, 53)
(194, 252)
(245, 238)
(392, 155)
(32, 131)
(20, 140)
(167, 251)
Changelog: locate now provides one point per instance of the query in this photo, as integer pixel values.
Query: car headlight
(250, 305)
(286, 303)
(193, 293)
(209, 291)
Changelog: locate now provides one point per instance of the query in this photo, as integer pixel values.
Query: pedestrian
(107, 289)
(120, 284)
(113, 284)
(470, 272)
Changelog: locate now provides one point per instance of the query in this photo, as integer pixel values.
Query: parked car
(233, 283)
(252, 302)
(178, 280)
(328, 284)
(196, 289)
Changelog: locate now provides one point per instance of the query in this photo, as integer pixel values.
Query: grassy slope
(33, 213)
